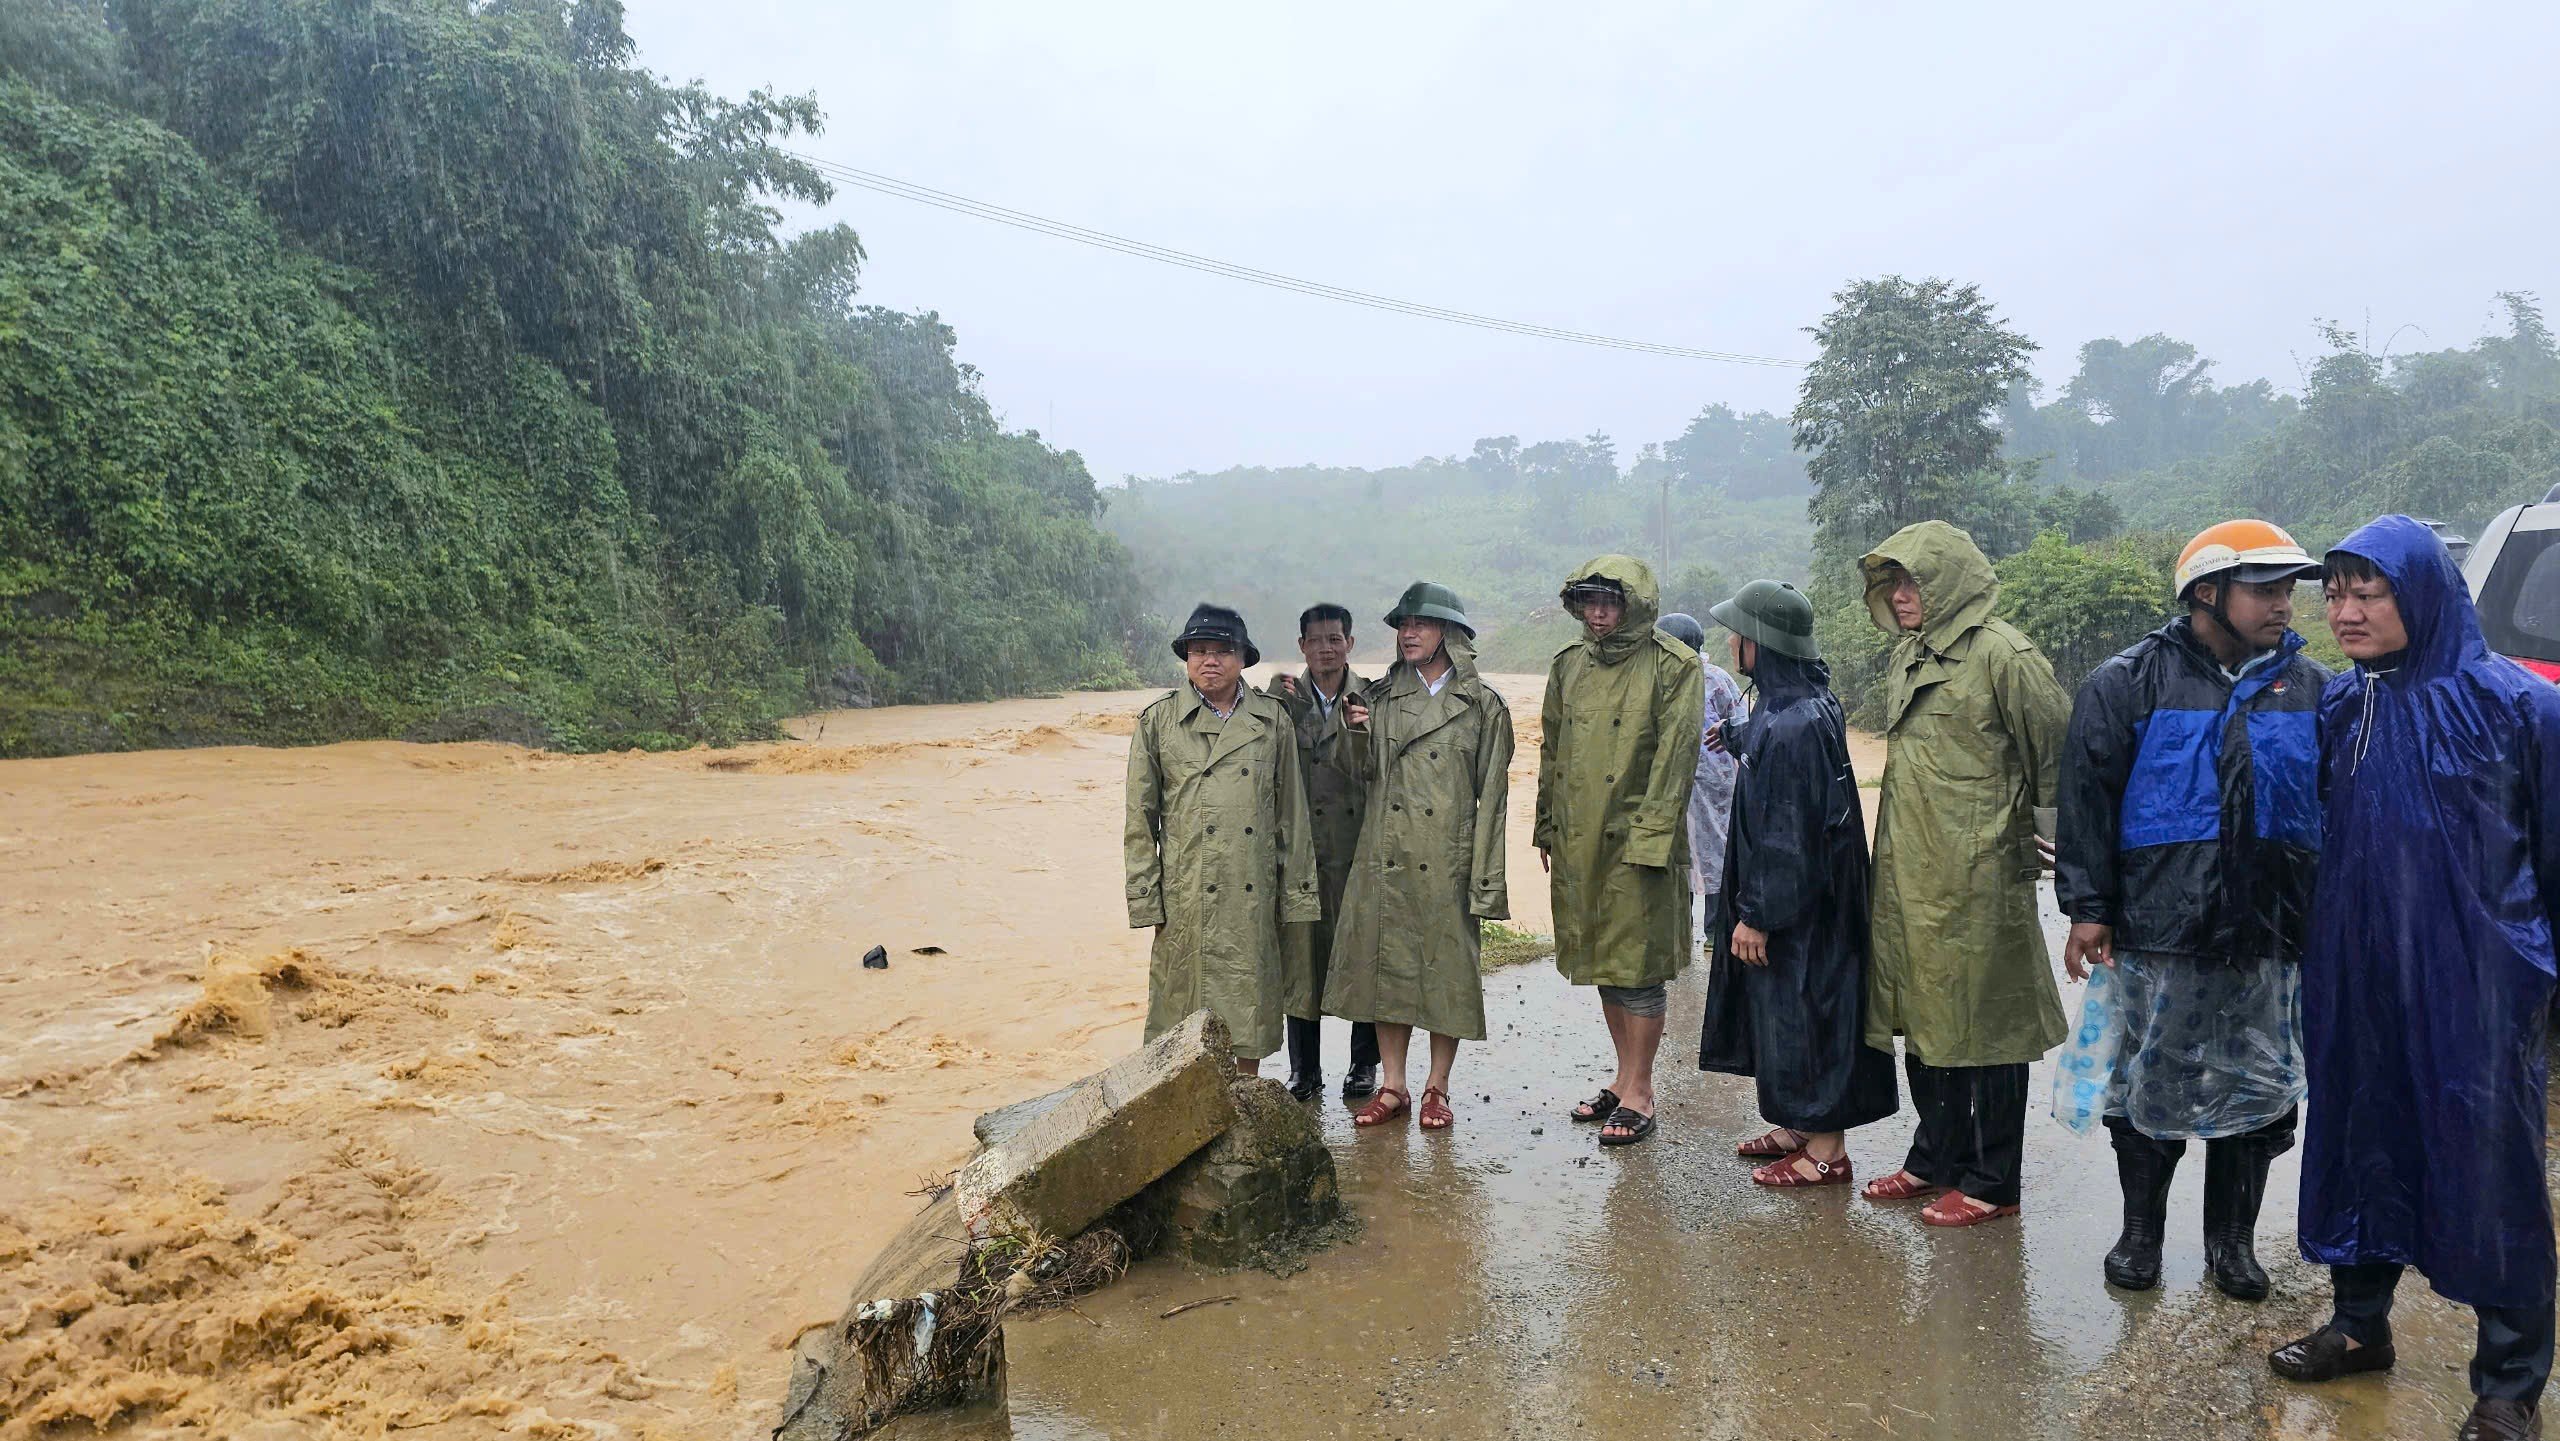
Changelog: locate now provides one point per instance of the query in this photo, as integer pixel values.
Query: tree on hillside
(1731, 453)
(1497, 460)
(2082, 603)
(1897, 408)
(2524, 361)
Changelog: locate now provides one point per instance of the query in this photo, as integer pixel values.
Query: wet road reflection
(1513, 1279)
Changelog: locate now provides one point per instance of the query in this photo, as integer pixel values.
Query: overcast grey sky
(1696, 174)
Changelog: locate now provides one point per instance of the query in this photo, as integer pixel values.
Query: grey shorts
(1645, 1001)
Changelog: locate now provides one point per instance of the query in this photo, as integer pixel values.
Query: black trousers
(1305, 1044)
(1973, 1128)
(2511, 1361)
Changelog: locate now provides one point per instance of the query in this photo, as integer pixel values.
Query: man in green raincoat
(1973, 725)
(1617, 754)
(1433, 743)
(1336, 795)
(1218, 846)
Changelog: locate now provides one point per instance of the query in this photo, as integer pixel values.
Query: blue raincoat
(2428, 974)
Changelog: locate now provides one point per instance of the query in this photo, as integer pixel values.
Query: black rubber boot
(2235, 1184)
(1306, 1058)
(2144, 1168)
(2499, 1419)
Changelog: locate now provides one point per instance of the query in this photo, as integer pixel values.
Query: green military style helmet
(1771, 613)
(1423, 600)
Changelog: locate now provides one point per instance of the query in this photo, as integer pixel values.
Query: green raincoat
(1335, 791)
(1618, 754)
(1220, 858)
(1973, 725)
(1429, 869)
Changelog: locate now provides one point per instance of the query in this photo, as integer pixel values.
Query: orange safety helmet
(2249, 551)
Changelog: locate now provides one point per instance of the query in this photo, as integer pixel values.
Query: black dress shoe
(1360, 1083)
(2325, 1356)
(1306, 1085)
(2497, 1419)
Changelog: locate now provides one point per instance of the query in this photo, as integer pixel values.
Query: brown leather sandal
(1958, 1209)
(1900, 1186)
(1767, 1146)
(1435, 1114)
(1782, 1174)
(1381, 1109)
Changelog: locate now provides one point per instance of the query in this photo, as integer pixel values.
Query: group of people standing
(2281, 884)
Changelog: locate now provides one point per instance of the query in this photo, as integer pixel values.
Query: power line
(1105, 240)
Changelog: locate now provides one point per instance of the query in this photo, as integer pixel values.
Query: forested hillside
(426, 368)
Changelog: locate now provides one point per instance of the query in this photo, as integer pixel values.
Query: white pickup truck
(2514, 574)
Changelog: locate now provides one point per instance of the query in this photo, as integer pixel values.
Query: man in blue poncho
(2428, 976)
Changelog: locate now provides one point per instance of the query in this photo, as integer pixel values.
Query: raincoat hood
(2427, 975)
(1644, 604)
(1957, 585)
(2435, 603)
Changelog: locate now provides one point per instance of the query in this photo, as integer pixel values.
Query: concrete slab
(994, 1128)
(1105, 1138)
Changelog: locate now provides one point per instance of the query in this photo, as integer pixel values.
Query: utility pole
(1666, 528)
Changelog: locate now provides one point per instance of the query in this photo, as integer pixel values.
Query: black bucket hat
(1216, 622)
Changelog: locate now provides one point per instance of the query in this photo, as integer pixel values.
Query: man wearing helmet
(2187, 845)
(1432, 743)
(1787, 989)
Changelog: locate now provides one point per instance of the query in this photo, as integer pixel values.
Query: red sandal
(1782, 1174)
(1900, 1186)
(1767, 1147)
(1435, 1114)
(1958, 1209)
(1380, 1110)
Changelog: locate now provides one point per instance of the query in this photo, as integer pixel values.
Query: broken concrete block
(1105, 1138)
(994, 1128)
(922, 1330)
(1263, 1186)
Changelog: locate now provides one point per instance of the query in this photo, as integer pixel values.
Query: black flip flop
(1636, 1124)
(1601, 1106)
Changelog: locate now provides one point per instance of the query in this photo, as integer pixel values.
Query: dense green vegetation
(424, 368)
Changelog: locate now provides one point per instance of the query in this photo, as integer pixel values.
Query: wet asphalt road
(1511, 1279)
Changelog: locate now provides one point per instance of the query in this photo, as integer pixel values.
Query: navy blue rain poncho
(2428, 974)
(1796, 867)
